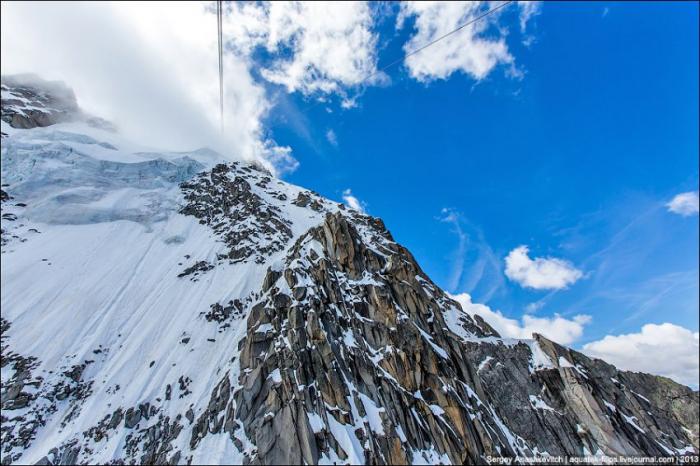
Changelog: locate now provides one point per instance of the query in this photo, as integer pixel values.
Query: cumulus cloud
(540, 273)
(472, 50)
(685, 204)
(666, 349)
(319, 47)
(557, 328)
(151, 68)
(280, 158)
(353, 202)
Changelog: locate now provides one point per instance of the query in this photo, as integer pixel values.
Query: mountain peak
(169, 308)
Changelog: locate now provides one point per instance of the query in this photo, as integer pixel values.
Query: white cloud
(353, 202)
(685, 204)
(331, 137)
(321, 47)
(535, 306)
(528, 10)
(471, 50)
(280, 158)
(149, 67)
(348, 102)
(666, 349)
(557, 328)
(540, 273)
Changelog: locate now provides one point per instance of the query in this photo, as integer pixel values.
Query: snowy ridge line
(283, 293)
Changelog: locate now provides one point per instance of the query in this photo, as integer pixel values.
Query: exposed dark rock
(382, 346)
(223, 199)
(219, 313)
(196, 269)
(33, 102)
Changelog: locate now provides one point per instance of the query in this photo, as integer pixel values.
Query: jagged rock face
(346, 358)
(664, 394)
(29, 102)
(349, 358)
(166, 309)
(580, 402)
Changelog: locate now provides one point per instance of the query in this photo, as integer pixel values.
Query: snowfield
(92, 275)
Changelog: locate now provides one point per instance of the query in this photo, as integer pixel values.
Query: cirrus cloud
(331, 137)
(540, 273)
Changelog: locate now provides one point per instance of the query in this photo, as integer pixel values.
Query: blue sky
(576, 159)
(563, 127)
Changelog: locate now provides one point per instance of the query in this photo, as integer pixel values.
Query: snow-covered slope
(171, 308)
(101, 272)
